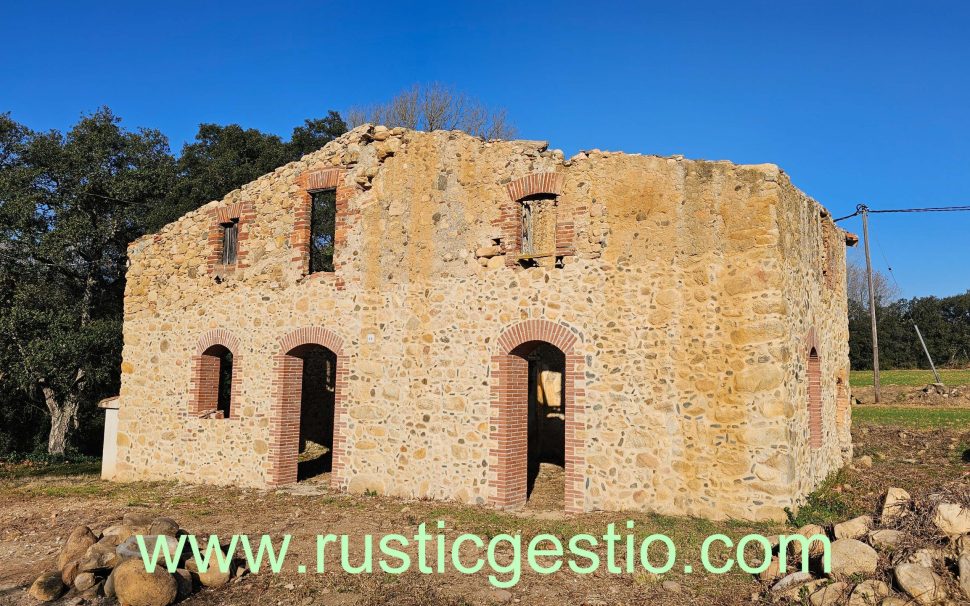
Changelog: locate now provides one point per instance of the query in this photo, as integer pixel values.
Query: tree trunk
(63, 419)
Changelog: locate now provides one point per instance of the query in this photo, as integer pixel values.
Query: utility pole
(864, 211)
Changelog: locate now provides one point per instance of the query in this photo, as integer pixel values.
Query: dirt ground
(37, 512)
(909, 395)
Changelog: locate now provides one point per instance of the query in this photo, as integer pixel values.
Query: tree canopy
(69, 205)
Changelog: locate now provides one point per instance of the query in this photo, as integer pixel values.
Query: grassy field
(915, 418)
(917, 378)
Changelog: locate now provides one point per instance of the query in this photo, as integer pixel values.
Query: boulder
(165, 526)
(77, 543)
(853, 529)
(139, 523)
(894, 505)
(85, 580)
(70, 571)
(922, 584)
(886, 538)
(772, 572)
(963, 571)
(865, 461)
(92, 593)
(830, 595)
(100, 555)
(815, 548)
(894, 601)
(117, 533)
(134, 586)
(129, 549)
(927, 558)
(792, 580)
(212, 577)
(952, 519)
(851, 556)
(869, 593)
(671, 587)
(47, 587)
(109, 585)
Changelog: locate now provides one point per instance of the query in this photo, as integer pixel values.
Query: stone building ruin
(431, 315)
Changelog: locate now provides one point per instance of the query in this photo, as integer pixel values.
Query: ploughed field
(905, 448)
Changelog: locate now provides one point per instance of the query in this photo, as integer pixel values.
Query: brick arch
(311, 335)
(284, 422)
(204, 382)
(536, 183)
(814, 372)
(537, 330)
(509, 413)
(218, 336)
(811, 341)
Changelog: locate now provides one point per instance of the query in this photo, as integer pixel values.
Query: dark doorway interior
(547, 420)
(317, 397)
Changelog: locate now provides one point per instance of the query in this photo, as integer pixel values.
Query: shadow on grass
(40, 470)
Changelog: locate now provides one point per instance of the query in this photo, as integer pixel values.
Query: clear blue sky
(857, 101)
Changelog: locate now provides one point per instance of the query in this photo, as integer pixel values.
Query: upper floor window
(323, 213)
(538, 228)
(230, 242)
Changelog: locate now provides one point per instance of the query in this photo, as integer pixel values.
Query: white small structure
(109, 453)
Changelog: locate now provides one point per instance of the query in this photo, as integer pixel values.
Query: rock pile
(917, 552)
(109, 565)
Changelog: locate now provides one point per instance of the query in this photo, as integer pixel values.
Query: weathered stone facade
(686, 297)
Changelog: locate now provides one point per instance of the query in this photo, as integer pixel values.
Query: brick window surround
(310, 182)
(204, 385)
(242, 214)
(510, 218)
(814, 368)
(508, 456)
(284, 421)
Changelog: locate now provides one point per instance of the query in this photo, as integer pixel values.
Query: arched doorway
(306, 423)
(546, 425)
(318, 385)
(536, 418)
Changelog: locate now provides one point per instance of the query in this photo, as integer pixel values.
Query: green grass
(824, 505)
(914, 418)
(916, 378)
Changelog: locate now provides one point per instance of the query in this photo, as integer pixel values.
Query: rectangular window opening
(537, 232)
(230, 242)
(323, 214)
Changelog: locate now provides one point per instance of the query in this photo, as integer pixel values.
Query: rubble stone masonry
(687, 297)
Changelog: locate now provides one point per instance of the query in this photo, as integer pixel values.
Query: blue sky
(857, 101)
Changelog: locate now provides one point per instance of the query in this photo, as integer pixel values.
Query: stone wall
(683, 290)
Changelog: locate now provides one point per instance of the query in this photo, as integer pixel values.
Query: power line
(892, 275)
(932, 209)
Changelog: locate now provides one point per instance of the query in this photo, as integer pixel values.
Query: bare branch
(436, 106)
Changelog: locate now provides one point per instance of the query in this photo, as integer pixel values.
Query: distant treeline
(944, 323)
